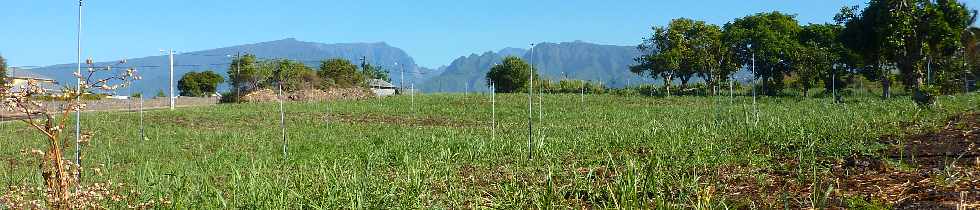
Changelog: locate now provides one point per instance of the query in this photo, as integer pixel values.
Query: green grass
(610, 152)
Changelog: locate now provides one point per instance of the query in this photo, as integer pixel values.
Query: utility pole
(414, 111)
(238, 76)
(833, 82)
(755, 108)
(754, 81)
(731, 88)
(493, 109)
(401, 71)
(172, 99)
(530, 104)
(282, 112)
(78, 90)
(142, 132)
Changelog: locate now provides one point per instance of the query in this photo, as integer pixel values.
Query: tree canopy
(3, 70)
(510, 76)
(925, 44)
(340, 73)
(199, 84)
(769, 38)
(245, 75)
(684, 49)
(293, 75)
(375, 72)
(909, 35)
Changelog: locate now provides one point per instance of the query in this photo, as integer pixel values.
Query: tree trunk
(806, 91)
(885, 82)
(765, 84)
(684, 81)
(56, 177)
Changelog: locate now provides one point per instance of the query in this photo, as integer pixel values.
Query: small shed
(382, 88)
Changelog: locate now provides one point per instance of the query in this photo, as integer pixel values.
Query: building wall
(383, 92)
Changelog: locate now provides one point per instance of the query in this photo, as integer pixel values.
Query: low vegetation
(440, 151)
(248, 74)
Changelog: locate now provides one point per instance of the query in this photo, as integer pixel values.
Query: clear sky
(42, 32)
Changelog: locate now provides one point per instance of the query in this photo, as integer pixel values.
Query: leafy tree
(245, 74)
(510, 76)
(375, 72)
(947, 20)
(711, 55)
(160, 94)
(339, 73)
(971, 45)
(808, 62)
(908, 34)
(3, 70)
(862, 34)
(841, 60)
(293, 74)
(201, 84)
(772, 37)
(667, 53)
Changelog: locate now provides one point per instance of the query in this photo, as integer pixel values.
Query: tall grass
(621, 152)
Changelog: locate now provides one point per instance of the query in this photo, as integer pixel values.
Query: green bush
(199, 84)
(339, 73)
(510, 76)
(571, 86)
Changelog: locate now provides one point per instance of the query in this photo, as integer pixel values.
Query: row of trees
(247, 73)
(905, 39)
(513, 75)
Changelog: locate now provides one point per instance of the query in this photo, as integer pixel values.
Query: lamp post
(170, 55)
(238, 76)
(753, 75)
(530, 101)
(78, 89)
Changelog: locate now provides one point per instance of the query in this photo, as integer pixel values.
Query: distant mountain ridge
(576, 60)
(608, 64)
(155, 70)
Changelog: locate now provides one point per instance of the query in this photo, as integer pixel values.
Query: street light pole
(530, 101)
(401, 72)
(754, 81)
(238, 76)
(171, 52)
(78, 89)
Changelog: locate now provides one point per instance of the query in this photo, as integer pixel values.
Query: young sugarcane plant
(60, 176)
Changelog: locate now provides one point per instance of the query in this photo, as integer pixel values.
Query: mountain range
(576, 60)
(155, 69)
(608, 64)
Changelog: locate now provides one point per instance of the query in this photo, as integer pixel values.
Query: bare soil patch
(933, 170)
(943, 173)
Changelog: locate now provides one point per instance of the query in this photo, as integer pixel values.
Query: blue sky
(433, 32)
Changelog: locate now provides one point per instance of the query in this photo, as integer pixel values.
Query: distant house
(382, 88)
(18, 78)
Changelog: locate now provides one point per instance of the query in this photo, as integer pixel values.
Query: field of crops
(433, 151)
